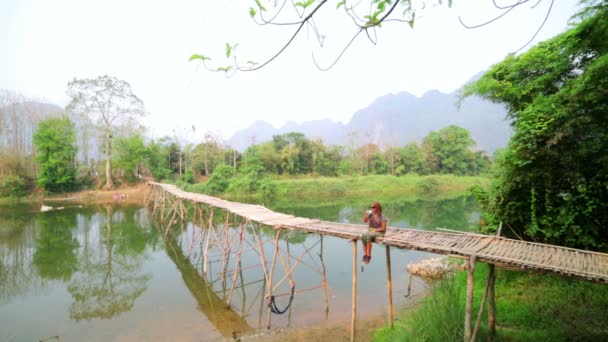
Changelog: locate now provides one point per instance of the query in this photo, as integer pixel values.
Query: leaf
(230, 49)
(341, 3)
(262, 8)
(252, 12)
(411, 22)
(201, 57)
(225, 69)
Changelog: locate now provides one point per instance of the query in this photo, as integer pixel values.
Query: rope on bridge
(273, 305)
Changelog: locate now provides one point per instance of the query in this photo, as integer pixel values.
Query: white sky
(45, 44)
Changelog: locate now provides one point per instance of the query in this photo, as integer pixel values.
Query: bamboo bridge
(168, 202)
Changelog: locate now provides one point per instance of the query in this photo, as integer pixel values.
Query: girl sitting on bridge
(377, 227)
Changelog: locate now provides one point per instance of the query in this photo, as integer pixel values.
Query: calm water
(107, 272)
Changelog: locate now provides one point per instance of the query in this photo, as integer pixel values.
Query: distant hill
(396, 119)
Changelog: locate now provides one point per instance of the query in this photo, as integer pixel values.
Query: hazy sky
(45, 44)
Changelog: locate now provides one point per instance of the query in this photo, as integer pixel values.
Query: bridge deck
(490, 249)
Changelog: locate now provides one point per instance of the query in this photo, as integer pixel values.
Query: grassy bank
(314, 189)
(530, 307)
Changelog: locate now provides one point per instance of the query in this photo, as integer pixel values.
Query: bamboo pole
(491, 303)
(481, 305)
(206, 253)
(354, 306)
(237, 265)
(274, 261)
(389, 285)
(324, 282)
(469, 303)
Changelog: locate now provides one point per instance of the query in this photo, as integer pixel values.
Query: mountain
(396, 119)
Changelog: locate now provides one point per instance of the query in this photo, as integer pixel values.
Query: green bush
(14, 186)
(428, 185)
(220, 179)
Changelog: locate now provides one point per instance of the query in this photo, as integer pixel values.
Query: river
(106, 272)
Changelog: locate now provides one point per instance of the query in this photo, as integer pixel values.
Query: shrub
(14, 186)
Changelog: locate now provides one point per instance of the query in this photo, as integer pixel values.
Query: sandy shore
(129, 194)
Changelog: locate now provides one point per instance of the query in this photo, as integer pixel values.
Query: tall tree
(451, 147)
(55, 141)
(109, 102)
(552, 182)
(130, 154)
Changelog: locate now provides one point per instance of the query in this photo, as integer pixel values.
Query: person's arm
(366, 217)
(382, 228)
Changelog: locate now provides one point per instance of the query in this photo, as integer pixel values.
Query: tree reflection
(17, 237)
(56, 255)
(109, 281)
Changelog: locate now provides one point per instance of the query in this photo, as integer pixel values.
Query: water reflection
(96, 254)
(109, 278)
(109, 270)
(232, 266)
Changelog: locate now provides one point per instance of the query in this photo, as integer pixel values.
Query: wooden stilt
(389, 286)
(491, 303)
(481, 307)
(324, 281)
(469, 303)
(237, 265)
(274, 261)
(206, 252)
(354, 306)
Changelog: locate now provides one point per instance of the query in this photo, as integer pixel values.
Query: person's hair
(377, 205)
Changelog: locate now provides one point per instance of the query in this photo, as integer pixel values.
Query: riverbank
(319, 190)
(123, 194)
(530, 307)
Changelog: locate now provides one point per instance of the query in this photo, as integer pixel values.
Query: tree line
(126, 154)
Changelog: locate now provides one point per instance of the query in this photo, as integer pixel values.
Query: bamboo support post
(354, 305)
(274, 261)
(491, 303)
(469, 303)
(324, 281)
(481, 305)
(237, 265)
(389, 286)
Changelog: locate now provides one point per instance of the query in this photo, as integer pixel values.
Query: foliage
(552, 181)
(157, 159)
(529, 307)
(130, 153)
(411, 160)
(14, 186)
(220, 180)
(267, 190)
(109, 103)
(55, 141)
(365, 16)
(437, 318)
(451, 149)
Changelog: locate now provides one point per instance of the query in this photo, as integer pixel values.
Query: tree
(552, 179)
(451, 147)
(109, 102)
(55, 141)
(411, 160)
(130, 154)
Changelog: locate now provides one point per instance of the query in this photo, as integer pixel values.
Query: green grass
(384, 186)
(530, 307)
